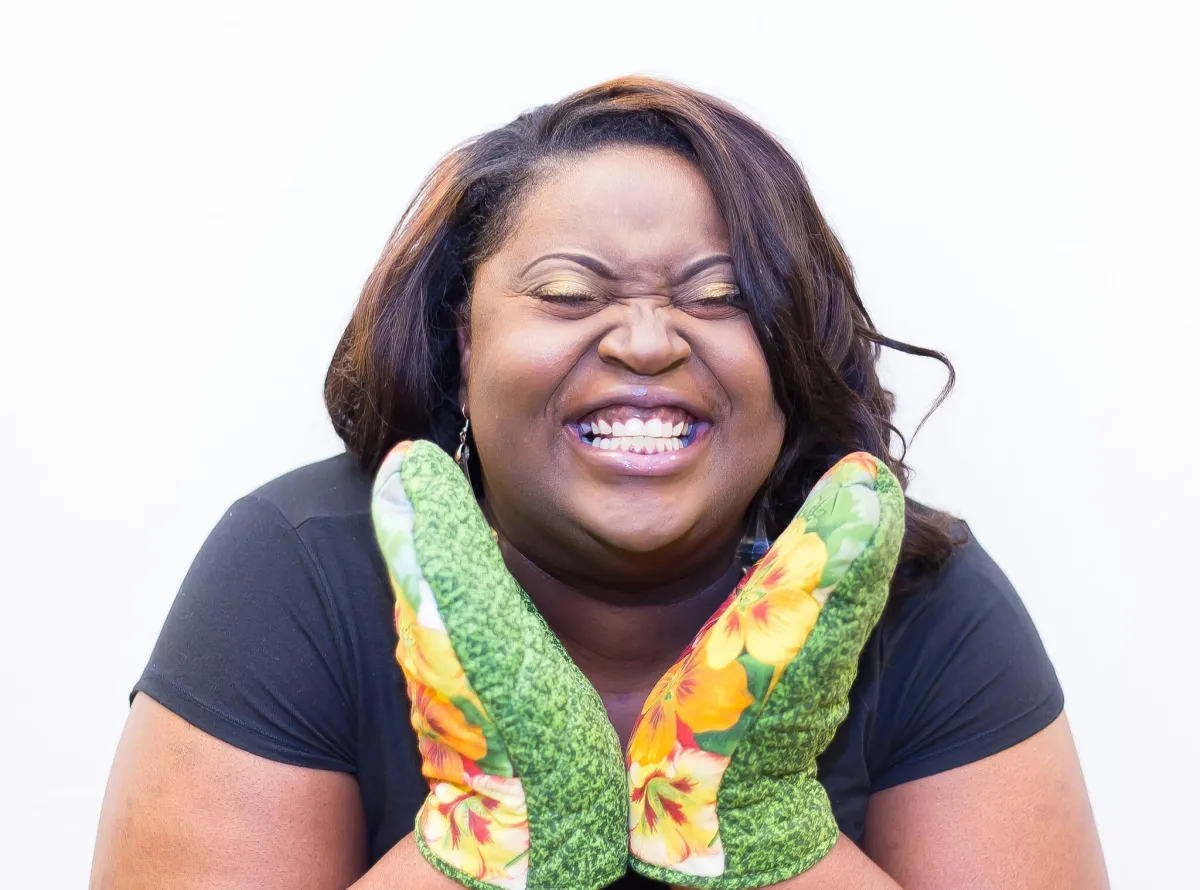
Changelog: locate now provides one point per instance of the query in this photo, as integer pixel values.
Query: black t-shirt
(281, 642)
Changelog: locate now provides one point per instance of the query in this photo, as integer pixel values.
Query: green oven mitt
(527, 785)
(723, 760)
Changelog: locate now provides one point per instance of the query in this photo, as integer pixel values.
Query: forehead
(631, 205)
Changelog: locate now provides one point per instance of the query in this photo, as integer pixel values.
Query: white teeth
(654, 428)
(638, 435)
(637, 444)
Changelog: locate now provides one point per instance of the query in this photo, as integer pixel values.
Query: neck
(624, 641)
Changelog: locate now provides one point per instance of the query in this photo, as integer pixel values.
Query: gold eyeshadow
(562, 286)
(571, 287)
(553, 292)
(719, 291)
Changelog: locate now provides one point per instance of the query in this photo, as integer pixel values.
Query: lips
(639, 429)
(640, 455)
(643, 403)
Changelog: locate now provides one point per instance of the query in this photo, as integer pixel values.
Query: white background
(191, 195)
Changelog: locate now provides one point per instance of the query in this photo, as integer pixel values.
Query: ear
(464, 355)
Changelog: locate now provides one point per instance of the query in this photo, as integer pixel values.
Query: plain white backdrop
(191, 195)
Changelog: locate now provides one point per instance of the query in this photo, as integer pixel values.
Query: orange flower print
(482, 831)
(444, 736)
(692, 697)
(673, 812)
(475, 818)
(425, 653)
(774, 610)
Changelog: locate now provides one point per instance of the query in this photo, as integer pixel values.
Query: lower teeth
(639, 444)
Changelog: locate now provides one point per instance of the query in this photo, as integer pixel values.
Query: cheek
(737, 362)
(752, 436)
(516, 366)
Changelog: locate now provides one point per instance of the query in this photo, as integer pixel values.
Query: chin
(643, 537)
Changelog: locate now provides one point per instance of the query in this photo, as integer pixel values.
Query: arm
(1020, 818)
(404, 866)
(844, 867)
(185, 810)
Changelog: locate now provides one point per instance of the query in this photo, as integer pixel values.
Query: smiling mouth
(639, 430)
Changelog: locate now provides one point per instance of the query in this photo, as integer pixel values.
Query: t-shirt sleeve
(965, 674)
(251, 652)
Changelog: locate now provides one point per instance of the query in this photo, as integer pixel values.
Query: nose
(644, 341)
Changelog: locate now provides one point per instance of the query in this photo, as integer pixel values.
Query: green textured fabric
(775, 820)
(549, 719)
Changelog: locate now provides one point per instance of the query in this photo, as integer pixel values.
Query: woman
(637, 254)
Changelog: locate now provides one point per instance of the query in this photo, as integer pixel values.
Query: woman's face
(620, 402)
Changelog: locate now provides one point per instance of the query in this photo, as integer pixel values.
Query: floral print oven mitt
(527, 784)
(722, 762)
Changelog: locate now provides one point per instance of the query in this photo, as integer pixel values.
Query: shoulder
(305, 535)
(264, 646)
(335, 488)
(314, 520)
(963, 673)
(967, 588)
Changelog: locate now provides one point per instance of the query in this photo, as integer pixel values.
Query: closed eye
(567, 298)
(709, 302)
(569, 302)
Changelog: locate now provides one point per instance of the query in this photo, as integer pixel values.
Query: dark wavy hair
(395, 373)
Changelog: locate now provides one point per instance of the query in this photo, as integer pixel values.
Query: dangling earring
(754, 544)
(462, 456)
(751, 549)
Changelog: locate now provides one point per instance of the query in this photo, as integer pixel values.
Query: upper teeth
(652, 435)
(635, 426)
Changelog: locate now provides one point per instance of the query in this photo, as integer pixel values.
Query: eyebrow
(598, 266)
(604, 270)
(695, 267)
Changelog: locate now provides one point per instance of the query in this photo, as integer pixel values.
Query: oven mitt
(526, 778)
(722, 762)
